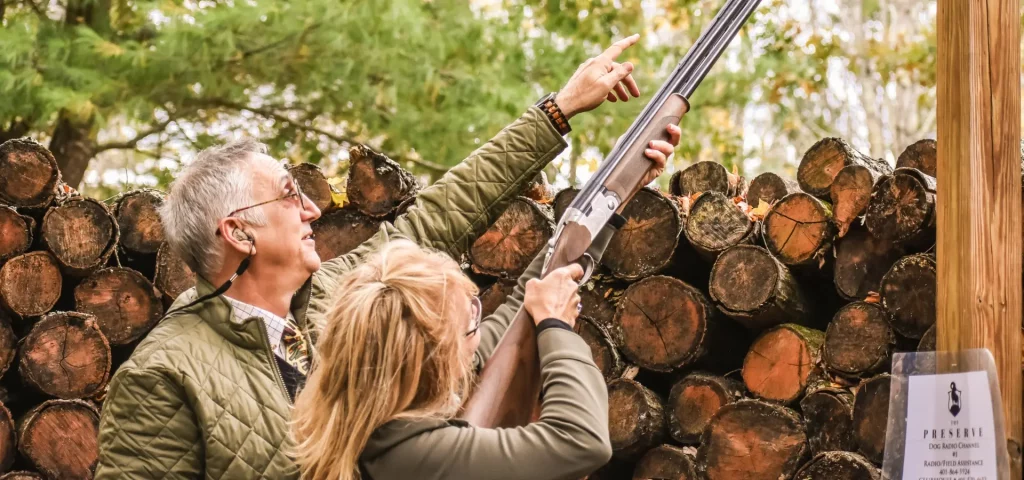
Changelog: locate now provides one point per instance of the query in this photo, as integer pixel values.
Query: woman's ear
(236, 236)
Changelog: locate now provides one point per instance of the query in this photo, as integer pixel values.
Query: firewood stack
(745, 329)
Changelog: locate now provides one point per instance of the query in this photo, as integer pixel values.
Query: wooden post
(979, 197)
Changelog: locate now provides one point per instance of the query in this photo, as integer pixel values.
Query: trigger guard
(588, 264)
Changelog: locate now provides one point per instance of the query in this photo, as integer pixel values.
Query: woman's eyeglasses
(476, 310)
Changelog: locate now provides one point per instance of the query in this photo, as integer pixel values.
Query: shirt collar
(275, 324)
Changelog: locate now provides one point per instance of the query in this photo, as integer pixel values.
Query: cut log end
(66, 356)
(313, 183)
(798, 229)
(694, 400)
(769, 188)
(8, 440)
(861, 261)
(494, 296)
(908, 295)
(781, 362)
(666, 462)
(664, 323)
(707, 176)
(519, 234)
(30, 284)
(838, 466)
(28, 174)
(823, 161)
(606, 357)
(752, 287)
(858, 340)
(928, 340)
(173, 276)
(828, 413)
(8, 345)
(377, 184)
(752, 440)
(59, 438)
(562, 201)
(341, 231)
(851, 192)
(870, 417)
(123, 302)
(902, 209)
(644, 245)
(15, 233)
(81, 233)
(715, 223)
(921, 155)
(636, 419)
(21, 475)
(139, 221)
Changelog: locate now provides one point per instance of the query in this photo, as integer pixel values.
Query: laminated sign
(945, 426)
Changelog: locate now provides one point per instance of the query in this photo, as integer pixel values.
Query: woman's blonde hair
(388, 350)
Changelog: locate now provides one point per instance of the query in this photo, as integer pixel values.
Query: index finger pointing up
(620, 46)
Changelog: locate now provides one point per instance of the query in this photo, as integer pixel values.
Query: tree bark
(599, 300)
(21, 475)
(839, 466)
(715, 223)
(828, 413)
(636, 418)
(341, 231)
(908, 295)
(921, 155)
(28, 174)
(59, 438)
(861, 261)
(694, 400)
(666, 323)
(823, 161)
(902, 209)
(798, 230)
(782, 362)
(376, 184)
(870, 416)
(81, 233)
(508, 246)
(139, 222)
(65, 355)
(851, 193)
(752, 440)
(645, 244)
(172, 275)
(666, 462)
(707, 176)
(755, 289)
(30, 284)
(606, 357)
(769, 188)
(311, 180)
(8, 346)
(15, 233)
(73, 144)
(562, 201)
(858, 340)
(124, 303)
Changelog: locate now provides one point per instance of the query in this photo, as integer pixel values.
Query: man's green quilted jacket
(201, 396)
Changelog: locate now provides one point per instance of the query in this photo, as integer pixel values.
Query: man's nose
(311, 212)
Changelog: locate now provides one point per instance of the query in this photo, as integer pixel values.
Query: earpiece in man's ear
(241, 235)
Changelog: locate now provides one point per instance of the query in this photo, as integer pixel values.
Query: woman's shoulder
(397, 431)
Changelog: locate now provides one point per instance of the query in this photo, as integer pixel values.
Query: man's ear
(236, 236)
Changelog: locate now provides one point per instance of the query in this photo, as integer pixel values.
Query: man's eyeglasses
(292, 190)
(476, 310)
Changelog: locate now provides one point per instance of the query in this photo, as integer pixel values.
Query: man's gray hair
(216, 183)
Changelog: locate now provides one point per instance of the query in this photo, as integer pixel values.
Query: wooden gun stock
(508, 391)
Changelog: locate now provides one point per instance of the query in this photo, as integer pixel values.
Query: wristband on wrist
(554, 114)
(552, 323)
(617, 221)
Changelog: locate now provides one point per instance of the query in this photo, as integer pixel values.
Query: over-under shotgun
(508, 389)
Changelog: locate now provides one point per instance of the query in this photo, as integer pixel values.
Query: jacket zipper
(273, 363)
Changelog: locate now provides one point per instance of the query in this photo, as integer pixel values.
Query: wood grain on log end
(30, 284)
(173, 276)
(636, 418)
(311, 180)
(838, 466)
(908, 295)
(823, 161)
(664, 323)
(377, 184)
(599, 305)
(606, 357)
(508, 246)
(782, 362)
(28, 174)
(716, 223)
(65, 355)
(752, 440)
(870, 417)
(645, 244)
(769, 188)
(494, 296)
(861, 261)
(341, 231)
(81, 233)
(799, 229)
(922, 155)
(8, 345)
(124, 303)
(138, 220)
(694, 400)
(828, 414)
(15, 233)
(59, 437)
(749, 285)
(902, 208)
(8, 439)
(666, 462)
(858, 340)
(851, 193)
(707, 176)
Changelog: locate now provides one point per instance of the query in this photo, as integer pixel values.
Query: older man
(208, 392)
